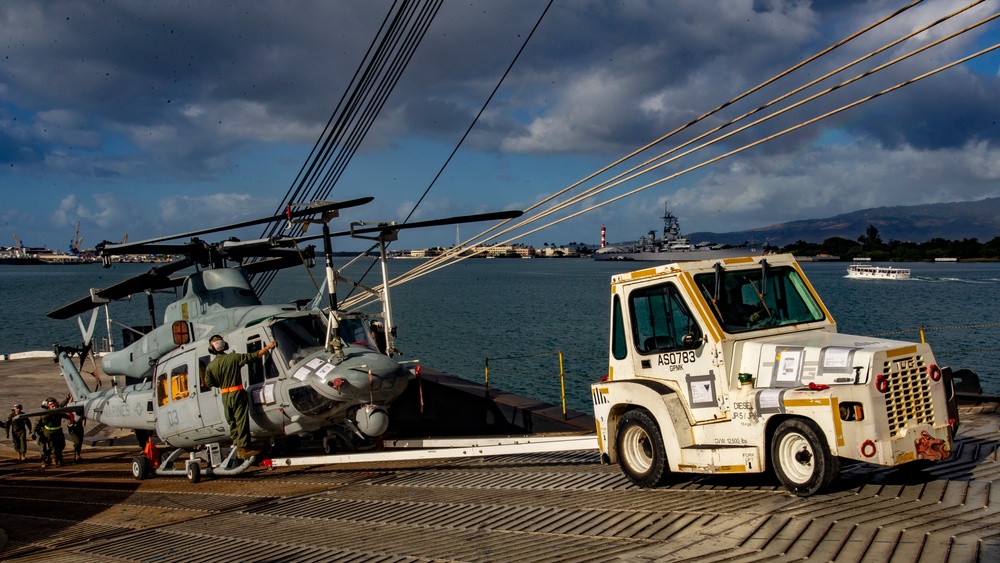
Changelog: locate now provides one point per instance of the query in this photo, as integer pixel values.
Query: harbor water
(520, 317)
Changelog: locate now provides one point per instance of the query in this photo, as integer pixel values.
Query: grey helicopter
(331, 376)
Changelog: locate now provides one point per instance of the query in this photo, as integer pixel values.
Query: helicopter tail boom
(77, 386)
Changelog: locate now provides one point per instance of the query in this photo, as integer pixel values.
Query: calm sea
(519, 314)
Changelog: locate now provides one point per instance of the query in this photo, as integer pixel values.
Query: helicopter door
(178, 413)
(209, 401)
(260, 375)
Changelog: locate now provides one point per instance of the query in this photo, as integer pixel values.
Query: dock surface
(538, 507)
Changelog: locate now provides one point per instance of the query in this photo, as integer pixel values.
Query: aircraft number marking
(173, 418)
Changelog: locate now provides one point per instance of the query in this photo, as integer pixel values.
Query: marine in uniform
(75, 428)
(224, 372)
(51, 426)
(19, 427)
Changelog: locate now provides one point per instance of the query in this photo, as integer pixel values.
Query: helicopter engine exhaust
(372, 420)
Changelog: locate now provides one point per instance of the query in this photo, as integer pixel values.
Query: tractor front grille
(908, 398)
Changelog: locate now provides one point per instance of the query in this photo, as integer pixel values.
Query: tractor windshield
(747, 300)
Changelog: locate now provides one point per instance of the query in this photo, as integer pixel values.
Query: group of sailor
(48, 432)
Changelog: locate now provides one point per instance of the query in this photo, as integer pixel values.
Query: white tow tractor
(736, 366)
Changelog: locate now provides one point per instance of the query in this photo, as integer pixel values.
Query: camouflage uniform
(20, 428)
(51, 425)
(38, 435)
(75, 428)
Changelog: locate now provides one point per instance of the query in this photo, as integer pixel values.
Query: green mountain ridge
(907, 223)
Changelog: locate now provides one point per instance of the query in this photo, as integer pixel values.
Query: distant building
(502, 250)
(560, 252)
(417, 253)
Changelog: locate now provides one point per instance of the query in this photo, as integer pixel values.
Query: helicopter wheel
(140, 467)
(331, 445)
(194, 472)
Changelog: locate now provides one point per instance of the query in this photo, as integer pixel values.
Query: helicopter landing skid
(208, 462)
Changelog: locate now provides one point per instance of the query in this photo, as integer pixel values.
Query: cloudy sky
(151, 118)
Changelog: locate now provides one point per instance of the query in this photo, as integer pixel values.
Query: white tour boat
(867, 272)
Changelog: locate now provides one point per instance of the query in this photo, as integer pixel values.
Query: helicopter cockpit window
(352, 332)
(298, 337)
(261, 368)
(747, 303)
(661, 320)
(307, 401)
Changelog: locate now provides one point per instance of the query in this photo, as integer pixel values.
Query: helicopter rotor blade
(282, 258)
(262, 250)
(130, 247)
(156, 278)
(159, 278)
(495, 216)
(386, 227)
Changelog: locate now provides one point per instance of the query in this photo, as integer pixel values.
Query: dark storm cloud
(947, 112)
(201, 79)
(184, 79)
(125, 59)
(18, 147)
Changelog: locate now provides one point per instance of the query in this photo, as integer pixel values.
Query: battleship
(672, 246)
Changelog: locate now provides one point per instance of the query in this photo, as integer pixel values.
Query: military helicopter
(331, 376)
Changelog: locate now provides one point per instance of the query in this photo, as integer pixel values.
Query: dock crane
(76, 241)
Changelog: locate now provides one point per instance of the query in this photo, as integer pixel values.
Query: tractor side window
(179, 382)
(203, 362)
(661, 319)
(161, 389)
(619, 348)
